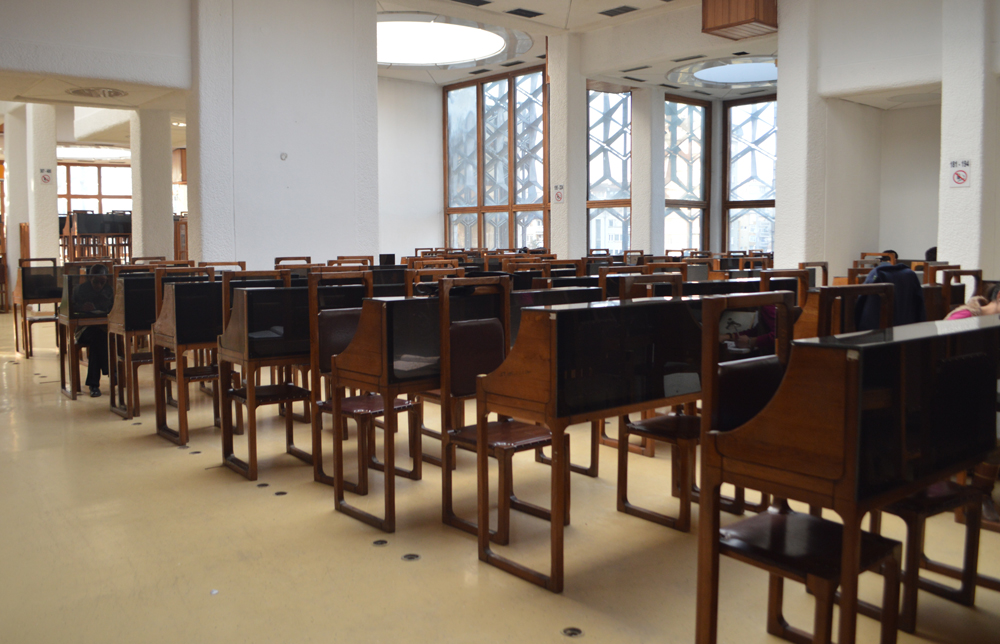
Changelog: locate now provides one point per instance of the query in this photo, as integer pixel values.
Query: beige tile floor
(111, 534)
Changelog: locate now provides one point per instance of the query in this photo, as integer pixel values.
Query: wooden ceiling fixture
(739, 19)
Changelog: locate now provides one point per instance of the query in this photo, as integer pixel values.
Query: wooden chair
(468, 348)
(577, 264)
(668, 267)
(633, 257)
(599, 252)
(434, 263)
(893, 258)
(931, 271)
(128, 349)
(604, 271)
(824, 267)
(949, 277)
(749, 263)
(36, 286)
(172, 263)
(292, 260)
(786, 544)
(415, 276)
(367, 260)
(330, 332)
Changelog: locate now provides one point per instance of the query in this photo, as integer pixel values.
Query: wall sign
(959, 173)
(46, 176)
(558, 193)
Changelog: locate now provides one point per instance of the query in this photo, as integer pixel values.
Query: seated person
(94, 295)
(908, 296)
(985, 474)
(930, 255)
(760, 337)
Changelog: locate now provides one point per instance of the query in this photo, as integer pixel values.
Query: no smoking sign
(45, 176)
(959, 173)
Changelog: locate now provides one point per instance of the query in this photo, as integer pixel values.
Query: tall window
(685, 172)
(609, 171)
(101, 188)
(495, 158)
(752, 147)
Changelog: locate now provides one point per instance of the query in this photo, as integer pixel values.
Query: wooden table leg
(62, 365)
(182, 398)
(69, 340)
(849, 564)
(557, 522)
(159, 392)
(225, 407)
(706, 624)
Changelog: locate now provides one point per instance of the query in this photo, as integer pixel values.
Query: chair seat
(799, 544)
(366, 405)
(195, 374)
(669, 427)
(944, 496)
(504, 435)
(272, 394)
(144, 357)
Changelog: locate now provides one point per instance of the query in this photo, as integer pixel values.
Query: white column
(647, 170)
(799, 233)
(42, 205)
(716, 213)
(152, 188)
(567, 146)
(15, 183)
(967, 216)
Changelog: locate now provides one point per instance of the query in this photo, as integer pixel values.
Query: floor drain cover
(280, 493)
(572, 631)
(410, 557)
(184, 447)
(262, 484)
(136, 423)
(380, 542)
(196, 452)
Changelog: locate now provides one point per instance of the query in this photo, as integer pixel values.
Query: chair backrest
(578, 265)
(415, 276)
(751, 262)
(293, 260)
(668, 267)
(120, 269)
(837, 306)
(893, 258)
(802, 275)
(435, 263)
(368, 260)
(931, 271)
(284, 275)
(162, 272)
(81, 268)
(241, 265)
(172, 263)
(471, 347)
(633, 257)
(857, 275)
(598, 252)
(330, 332)
(823, 266)
(949, 277)
(637, 286)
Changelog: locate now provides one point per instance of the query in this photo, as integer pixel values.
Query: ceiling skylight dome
(734, 73)
(435, 43)
(417, 39)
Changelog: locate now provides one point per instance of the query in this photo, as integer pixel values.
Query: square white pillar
(43, 215)
(15, 182)
(152, 188)
(648, 180)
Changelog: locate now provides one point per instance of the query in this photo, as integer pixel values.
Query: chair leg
(890, 598)
(505, 493)
(823, 616)
(911, 575)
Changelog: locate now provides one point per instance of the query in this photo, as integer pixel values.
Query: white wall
(911, 149)
(410, 166)
(852, 182)
(139, 41)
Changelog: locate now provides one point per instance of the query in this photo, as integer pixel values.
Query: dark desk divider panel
(949, 395)
(594, 267)
(697, 272)
(957, 295)
(612, 354)
(729, 263)
(81, 299)
(277, 319)
(547, 297)
(577, 282)
(197, 311)
(386, 259)
(135, 298)
(41, 282)
(392, 274)
(413, 330)
(520, 281)
(723, 287)
(255, 283)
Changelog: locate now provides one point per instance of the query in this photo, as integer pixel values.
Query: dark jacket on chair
(908, 296)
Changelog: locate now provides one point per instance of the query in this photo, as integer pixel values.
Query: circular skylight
(435, 43)
(739, 73)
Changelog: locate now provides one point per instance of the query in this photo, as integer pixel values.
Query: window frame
(727, 203)
(511, 208)
(594, 204)
(706, 169)
(100, 196)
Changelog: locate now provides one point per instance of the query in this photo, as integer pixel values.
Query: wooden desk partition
(36, 285)
(855, 422)
(567, 368)
(73, 315)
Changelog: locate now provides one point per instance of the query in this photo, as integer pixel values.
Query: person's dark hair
(993, 292)
(889, 255)
(930, 255)
(97, 269)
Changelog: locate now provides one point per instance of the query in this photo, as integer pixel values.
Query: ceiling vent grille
(687, 58)
(524, 13)
(474, 3)
(617, 11)
(478, 71)
(512, 63)
(633, 78)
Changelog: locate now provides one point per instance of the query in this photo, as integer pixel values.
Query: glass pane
(116, 181)
(753, 150)
(84, 204)
(530, 229)
(682, 228)
(495, 150)
(116, 204)
(463, 230)
(609, 228)
(462, 163)
(61, 184)
(751, 229)
(497, 230)
(529, 153)
(610, 165)
(83, 180)
(685, 135)
(63, 205)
